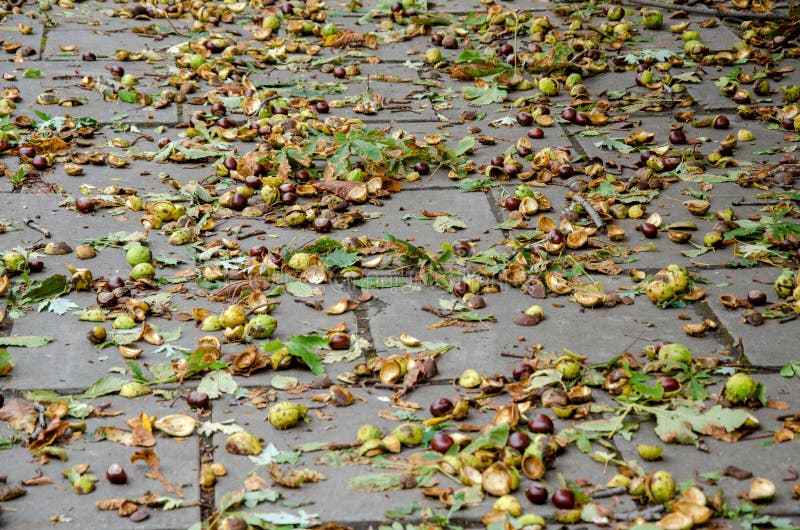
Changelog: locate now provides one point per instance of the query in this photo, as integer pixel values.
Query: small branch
(248, 235)
(650, 514)
(30, 223)
(609, 492)
(598, 222)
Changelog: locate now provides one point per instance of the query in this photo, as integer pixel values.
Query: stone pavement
(95, 89)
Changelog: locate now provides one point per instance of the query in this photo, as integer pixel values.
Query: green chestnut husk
(740, 388)
(408, 433)
(660, 487)
(285, 415)
(675, 352)
(243, 443)
(138, 254)
(261, 327)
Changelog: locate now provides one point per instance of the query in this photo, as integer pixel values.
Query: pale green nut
(261, 327)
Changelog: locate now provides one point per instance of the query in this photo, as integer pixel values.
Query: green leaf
(103, 386)
(447, 223)
(682, 424)
(303, 347)
(216, 383)
(285, 519)
(32, 74)
(253, 498)
(6, 362)
(25, 341)
(340, 258)
(128, 96)
(464, 145)
(136, 371)
(50, 287)
(484, 96)
(379, 283)
(791, 369)
(543, 378)
(493, 439)
(372, 482)
(615, 144)
(475, 184)
(300, 289)
(468, 56)
(59, 306)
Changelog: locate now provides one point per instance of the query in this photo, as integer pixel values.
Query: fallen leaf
(149, 457)
(20, 414)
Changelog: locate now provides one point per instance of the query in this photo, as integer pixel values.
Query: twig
(651, 514)
(609, 492)
(248, 235)
(514, 355)
(30, 223)
(598, 222)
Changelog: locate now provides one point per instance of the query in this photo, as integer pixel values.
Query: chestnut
(522, 371)
(116, 474)
(649, 230)
(511, 203)
(218, 109)
(519, 441)
(450, 42)
(460, 288)
(524, 118)
(34, 265)
(339, 341)
(253, 182)
(27, 151)
(669, 384)
(198, 400)
(462, 249)
(322, 107)
(39, 162)
(238, 202)
(757, 297)
(84, 204)
(422, 168)
(441, 442)
(563, 499)
(677, 137)
(339, 72)
(721, 122)
(569, 114)
(536, 133)
(541, 424)
(536, 493)
(323, 225)
(441, 407)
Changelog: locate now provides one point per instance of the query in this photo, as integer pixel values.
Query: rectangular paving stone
(604, 333)
(179, 462)
(471, 208)
(755, 453)
(771, 344)
(372, 507)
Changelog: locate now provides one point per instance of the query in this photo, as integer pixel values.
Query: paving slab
(768, 345)
(179, 462)
(604, 333)
(687, 462)
(341, 429)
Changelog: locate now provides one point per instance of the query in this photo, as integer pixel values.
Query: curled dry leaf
(149, 457)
